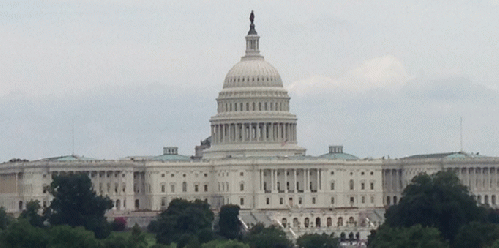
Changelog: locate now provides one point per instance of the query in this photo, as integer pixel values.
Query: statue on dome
(252, 17)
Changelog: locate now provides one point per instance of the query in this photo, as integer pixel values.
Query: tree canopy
(31, 213)
(76, 204)
(438, 200)
(414, 236)
(267, 237)
(5, 219)
(181, 221)
(317, 240)
(229, 224)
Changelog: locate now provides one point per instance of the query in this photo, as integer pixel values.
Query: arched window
(351, 184)
(493, 199)
(317, 222)
(332, 185)
(387, 200)
(283, 222)
(137, 204)
(241, 186)
(295, 222)
(184, 186)
(329, 221)
(307, 222)
(395, 200)
(340, 221)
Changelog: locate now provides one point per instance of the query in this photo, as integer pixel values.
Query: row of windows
(307, 223)
(362, 173)
(184, 187)
(183, 175)
(260, 106)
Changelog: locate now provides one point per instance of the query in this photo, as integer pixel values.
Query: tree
(317, 240)
(76, 204)
(224, 244)
(415, 236)
(267, 237)
(229, 224)
(476, 234)
(71, 237)
(31, 213)
(119, 224)
(182, 219)
(437, 200)
(5, 219)
(21, 234)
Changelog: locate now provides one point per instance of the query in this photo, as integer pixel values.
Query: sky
(108, 79)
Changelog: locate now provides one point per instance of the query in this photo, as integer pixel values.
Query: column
(317, 178)
(295, 181)
(262, 178)
(286, 180)
(307, 180)
(271, 133)
(274, 183)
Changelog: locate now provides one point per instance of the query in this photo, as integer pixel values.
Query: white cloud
(386, 72)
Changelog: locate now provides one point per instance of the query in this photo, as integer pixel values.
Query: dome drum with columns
(253, 116)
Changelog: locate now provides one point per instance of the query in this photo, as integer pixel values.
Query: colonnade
(253, 132)
(290, 180)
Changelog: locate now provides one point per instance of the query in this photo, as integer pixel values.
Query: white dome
(252, 72)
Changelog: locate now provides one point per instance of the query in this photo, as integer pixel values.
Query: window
(307, 222)
(372, 186)
(241, 173)
(227, 186)
(332, 172)
(329, 221)
(163, 188)
(363, 186)
(281, 201)
(137, 204)
(173, 175)
(205, 175)
(332, 200)
(163, 202)
(162, 175)
(241, 186)
(241, 201)
(351, 184)
(206, 188)
(332, 185)
(268, 201)
(372, 199)
(372, 173)
(300, 200)
(352, 200)
(283, 222)
(362, 173)
(172, 188)
(363, 199)
(196, 188)
(313, 200)
(184, 186)
(340, 221)
(183, 175)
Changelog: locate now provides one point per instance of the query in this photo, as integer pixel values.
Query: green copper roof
(339, 155)
(69, 158)
(171, 157)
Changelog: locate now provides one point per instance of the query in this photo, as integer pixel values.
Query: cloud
(385, 72)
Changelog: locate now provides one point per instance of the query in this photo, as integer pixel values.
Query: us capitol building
(252, 159)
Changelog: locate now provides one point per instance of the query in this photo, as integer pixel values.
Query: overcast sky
(129, 77)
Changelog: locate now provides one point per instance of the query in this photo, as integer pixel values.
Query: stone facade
(252, 159)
